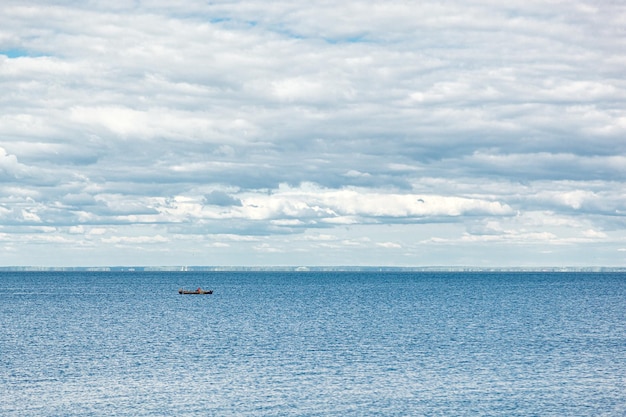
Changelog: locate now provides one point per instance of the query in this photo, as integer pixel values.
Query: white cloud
(76, 230)
(389, 245)
(219, 245)
(309, 204)
(9, 166)
(594, 234)
(136, 239)
(488, 123)
(29, 217)
(265, 247)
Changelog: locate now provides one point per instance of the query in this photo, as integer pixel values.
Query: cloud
(555, 166)
(389, 245)
(135, 239)
(220, 198)
(10, 168)
(76, 229)
(311, 206)
(487, 123)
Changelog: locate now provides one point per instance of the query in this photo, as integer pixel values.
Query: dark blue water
(313, 344)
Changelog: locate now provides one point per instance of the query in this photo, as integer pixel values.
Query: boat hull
(201, 292)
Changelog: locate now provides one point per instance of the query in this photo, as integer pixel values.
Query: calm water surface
(313, 344)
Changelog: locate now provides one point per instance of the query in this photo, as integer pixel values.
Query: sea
(313, 344)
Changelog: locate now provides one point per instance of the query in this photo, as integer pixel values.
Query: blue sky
(313, 133)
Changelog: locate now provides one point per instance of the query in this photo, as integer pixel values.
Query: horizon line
(311, 268)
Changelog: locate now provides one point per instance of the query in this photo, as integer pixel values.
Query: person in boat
(199, 289)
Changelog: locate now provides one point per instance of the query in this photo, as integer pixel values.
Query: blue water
(312, 344)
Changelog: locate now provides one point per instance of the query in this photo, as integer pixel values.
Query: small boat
(198, 291)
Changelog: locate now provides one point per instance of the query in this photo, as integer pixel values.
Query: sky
(259, 133)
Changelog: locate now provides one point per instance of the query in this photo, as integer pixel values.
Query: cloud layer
(245, 133)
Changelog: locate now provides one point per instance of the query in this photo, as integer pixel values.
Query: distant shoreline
(309, 269)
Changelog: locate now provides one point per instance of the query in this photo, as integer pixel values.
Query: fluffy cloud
(393, 125)
(9, 166)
